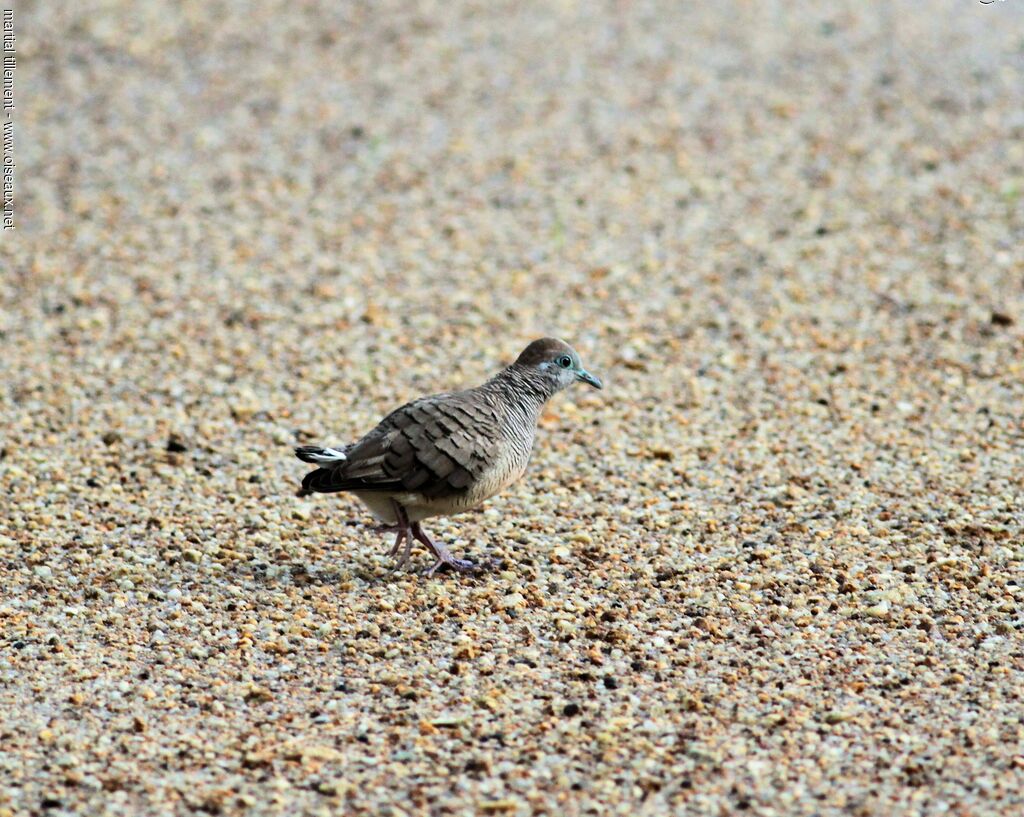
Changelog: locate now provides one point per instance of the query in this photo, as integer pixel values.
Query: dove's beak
(587, 377)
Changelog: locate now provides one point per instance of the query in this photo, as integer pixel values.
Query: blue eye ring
(564, 361)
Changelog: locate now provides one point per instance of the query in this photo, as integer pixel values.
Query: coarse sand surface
(774, 568)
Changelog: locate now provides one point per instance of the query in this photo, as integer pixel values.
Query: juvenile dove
(447, 453)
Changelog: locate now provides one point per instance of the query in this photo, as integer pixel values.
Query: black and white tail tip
(319, 456)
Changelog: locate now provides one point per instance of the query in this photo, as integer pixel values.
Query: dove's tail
(319, 456)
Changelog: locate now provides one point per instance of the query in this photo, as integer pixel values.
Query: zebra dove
(447, 453)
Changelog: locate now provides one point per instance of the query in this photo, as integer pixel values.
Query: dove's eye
(564, 361)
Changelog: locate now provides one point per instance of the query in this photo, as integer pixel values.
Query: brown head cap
(544, 349)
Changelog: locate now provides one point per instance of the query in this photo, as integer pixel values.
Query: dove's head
(556, 362)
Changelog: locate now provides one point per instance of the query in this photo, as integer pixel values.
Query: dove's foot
(444, 556)
(403, 533)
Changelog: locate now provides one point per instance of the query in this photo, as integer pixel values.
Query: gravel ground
(774, 568)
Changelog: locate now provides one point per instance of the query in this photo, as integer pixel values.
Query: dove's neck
(525, 385)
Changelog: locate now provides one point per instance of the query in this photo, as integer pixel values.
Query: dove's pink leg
(400, 535)
(444, 557)
(404, 533)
